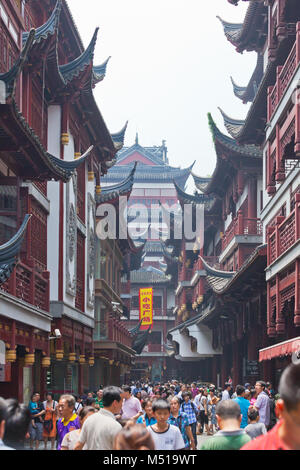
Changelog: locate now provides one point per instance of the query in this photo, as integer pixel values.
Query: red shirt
(269, 441)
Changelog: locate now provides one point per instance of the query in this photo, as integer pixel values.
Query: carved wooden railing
(284, 76)
(241, 226)
(26, 284)
(285, 233)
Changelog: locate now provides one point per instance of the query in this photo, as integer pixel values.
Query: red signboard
(146, 307)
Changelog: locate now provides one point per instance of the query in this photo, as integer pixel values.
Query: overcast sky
(171, 64)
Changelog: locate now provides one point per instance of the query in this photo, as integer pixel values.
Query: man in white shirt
(3, 417)
(99, 430)
(225, 393)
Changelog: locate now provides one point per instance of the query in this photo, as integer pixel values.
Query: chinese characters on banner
(146, 308)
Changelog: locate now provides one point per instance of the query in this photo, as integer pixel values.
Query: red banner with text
(146, 307)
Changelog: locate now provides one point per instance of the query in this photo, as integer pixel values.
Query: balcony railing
(26, 284)
(153, 348)
(117, 331)
(285, 233)
(284, 76)
(241, 226)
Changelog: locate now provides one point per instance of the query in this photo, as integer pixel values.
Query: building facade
(53, 156)
(250, 259)
(153, 187)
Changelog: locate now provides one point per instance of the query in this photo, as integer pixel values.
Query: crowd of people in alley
(169, 416)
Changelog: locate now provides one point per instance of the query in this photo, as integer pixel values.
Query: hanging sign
(146, 307)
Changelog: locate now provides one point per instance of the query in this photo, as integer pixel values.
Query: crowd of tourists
(170, 416)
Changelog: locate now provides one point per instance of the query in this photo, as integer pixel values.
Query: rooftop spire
(137, 139)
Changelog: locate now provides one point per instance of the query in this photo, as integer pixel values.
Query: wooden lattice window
(39, 235)
(39, 112)
(81, 193)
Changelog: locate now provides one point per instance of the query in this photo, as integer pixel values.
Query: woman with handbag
(49, 429)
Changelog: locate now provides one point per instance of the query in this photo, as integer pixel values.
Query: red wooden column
(279, 174)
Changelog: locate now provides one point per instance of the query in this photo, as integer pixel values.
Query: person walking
(230, 436)
(285, 435)
(262, 403)
(69, 420)
(180, 419)
(16, 424)
(99, 430)
(131, 407)
(50, 417)
(71, 439)
(212, 401)
(226, 391)
(99, 399)
(243, 404)
(3, 418)
(204, 413)
(191, 410)
(254, 428)
(36, 426)
(147, 419)
(165, 435)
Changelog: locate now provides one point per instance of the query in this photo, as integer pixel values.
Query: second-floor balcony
(28, 285)
(285, 233)
(113, 330)
(285, 74)
(243, 227)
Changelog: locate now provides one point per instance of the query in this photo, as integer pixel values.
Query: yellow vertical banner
(146, 307)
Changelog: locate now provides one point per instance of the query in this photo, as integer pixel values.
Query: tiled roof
(108, 193)
(196, 199)
(232, 125)
(221, 281)
(118, 138)
(247, 94)
(231, 144)
(73, 69)
(144, 173)
(244, 36)
(99, 71)
(47, 29)
(201, 182)
(148, 277)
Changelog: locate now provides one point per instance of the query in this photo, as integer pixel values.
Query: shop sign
(146, 307)
(252, 368)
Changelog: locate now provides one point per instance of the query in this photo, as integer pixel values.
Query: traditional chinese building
(153, 185)
(251, 299)
(45, 128)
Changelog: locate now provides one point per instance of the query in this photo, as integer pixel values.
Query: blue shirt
(181, 422)
(244, 405)
(190, 409)
(149, 422)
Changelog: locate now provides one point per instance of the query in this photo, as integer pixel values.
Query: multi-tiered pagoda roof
(157, 169)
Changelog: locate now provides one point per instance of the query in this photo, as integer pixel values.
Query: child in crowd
(165, 436)
(254, 429)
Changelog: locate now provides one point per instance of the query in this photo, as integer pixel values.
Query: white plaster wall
(69, 156)
(54, 133)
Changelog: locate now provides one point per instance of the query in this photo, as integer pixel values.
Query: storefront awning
(286, 348)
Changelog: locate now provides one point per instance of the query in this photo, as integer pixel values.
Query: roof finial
(137, 139)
